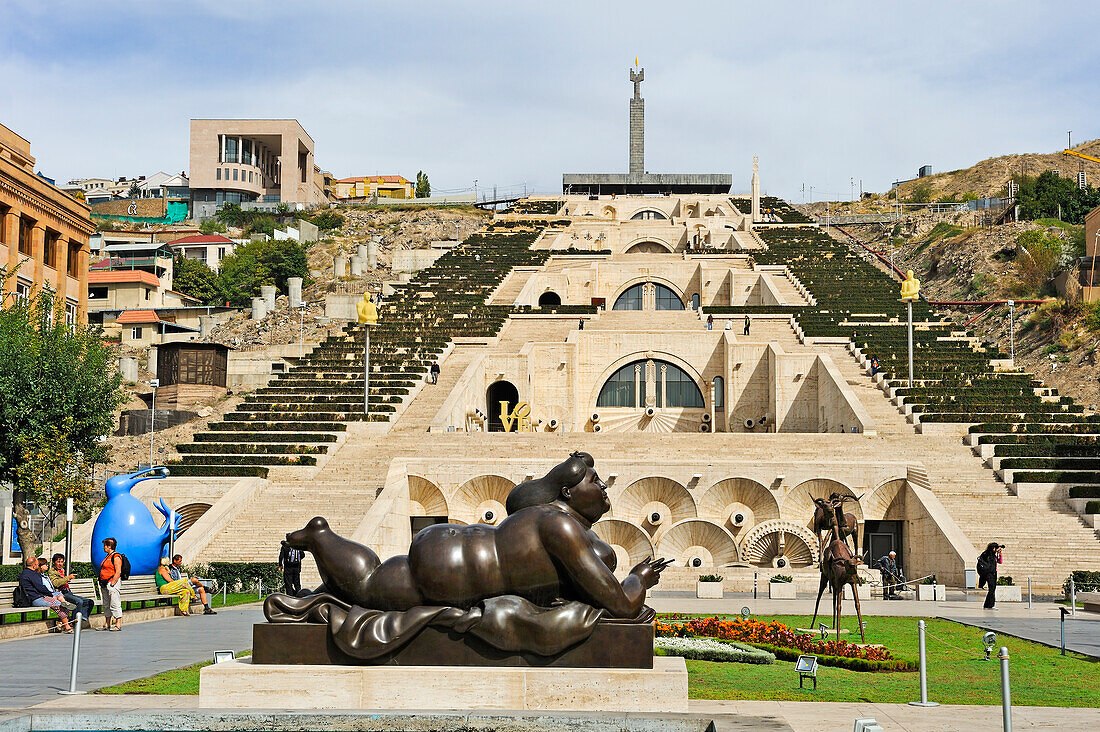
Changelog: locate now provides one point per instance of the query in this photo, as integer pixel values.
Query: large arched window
(634, 298)
(719, 392)
(670, 385)
(648, 215)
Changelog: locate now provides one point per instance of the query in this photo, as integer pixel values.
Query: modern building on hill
(43, 232)
(1089, 277)
(382, 186)
(210, 249)
(251, 161)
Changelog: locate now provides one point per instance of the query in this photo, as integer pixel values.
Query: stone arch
(654, 503)
(189, 513)
(549, 299)
(648, 245)
(648, 214)
(697, 543)
(609, 212)
(642, 279)
(884, 499)
(499, 391)
(630, 542)
(798, 505)
(779, 544)
(642, 356)
(425, 497)
(738, 504)
(481, 500)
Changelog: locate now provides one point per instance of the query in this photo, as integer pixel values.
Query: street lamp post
(68, 533)
(367, 315)
(910, 290)
(301, 329)
(152, 417)
(1012, 331)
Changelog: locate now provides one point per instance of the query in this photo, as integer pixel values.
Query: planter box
(781, 591)
(709, 590)
(864, 592)
(925, 592)
(1009, 593)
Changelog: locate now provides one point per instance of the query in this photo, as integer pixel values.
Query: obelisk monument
(637, 124)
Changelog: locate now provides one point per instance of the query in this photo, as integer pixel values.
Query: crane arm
(1081, 155)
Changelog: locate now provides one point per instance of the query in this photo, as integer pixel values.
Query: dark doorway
(419, 523)
(548, 299)
(880, 538)
(500, 391)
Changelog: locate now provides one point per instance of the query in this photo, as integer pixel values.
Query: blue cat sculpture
(131, 524)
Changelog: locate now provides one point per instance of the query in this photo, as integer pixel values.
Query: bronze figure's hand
(649, 570)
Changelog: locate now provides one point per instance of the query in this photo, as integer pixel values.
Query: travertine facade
(43, 232)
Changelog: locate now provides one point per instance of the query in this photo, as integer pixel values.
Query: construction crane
(1080, 155)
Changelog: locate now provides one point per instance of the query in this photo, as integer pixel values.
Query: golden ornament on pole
(366, 314)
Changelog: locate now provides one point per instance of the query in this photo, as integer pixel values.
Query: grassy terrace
(294, 419)
(957, 675)
(954, 379)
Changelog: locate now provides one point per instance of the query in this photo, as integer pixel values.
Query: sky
(514, 94)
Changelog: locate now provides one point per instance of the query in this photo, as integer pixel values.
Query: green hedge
(1084, 491)
(242, 576)
(11, 572)
(852, 664)
(1083, 581)
(1092, 507)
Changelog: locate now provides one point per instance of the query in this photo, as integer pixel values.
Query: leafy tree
(328, 220)
(212, 226)
(1037, 258)
(135, 191)
(922, 193)
(258, 263)
(423, 187)
(262, 224)
(58, 394)
(231, 214)
(1050, 195)
(193, 277)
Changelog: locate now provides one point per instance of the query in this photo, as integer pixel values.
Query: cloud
(509, 94)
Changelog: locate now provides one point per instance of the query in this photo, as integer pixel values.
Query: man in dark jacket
(987, 572)
(290, 562)
(39, 595)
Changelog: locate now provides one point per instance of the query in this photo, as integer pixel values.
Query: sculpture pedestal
(241, 684)
(613, 644)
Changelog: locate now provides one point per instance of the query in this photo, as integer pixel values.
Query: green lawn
(956, 673)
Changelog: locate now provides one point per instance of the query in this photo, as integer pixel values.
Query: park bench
(142, 589)
(81, 587)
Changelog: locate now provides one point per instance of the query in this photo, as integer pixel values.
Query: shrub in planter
(709, 587)
(710, 578)
(1005, 581)
(782, 578)
(1083, 581)
(1092, 507)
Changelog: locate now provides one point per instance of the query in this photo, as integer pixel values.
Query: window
(246, 152)
(619, 390)
(49, 249)
(26, 227)
(719, 392)
(234, 174)
(672, 386)
(667, 299)
(148, 293)
(631, 299)
(219, 173)
(231, 152)
(97, 293)
(70, 313)
(221, 252)
(22, 291)
(72, 265)
(135, 333)
(648, 216)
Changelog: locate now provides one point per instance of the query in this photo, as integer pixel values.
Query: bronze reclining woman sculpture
(536, 583)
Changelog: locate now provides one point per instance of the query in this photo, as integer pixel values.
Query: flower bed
(709, 649)
(785, 643)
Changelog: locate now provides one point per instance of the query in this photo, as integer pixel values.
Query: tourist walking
(710, 321)
(433, 371)
(290, 563)
(747, 324)
(110, 585)
(874, 366)
(60, 580)
(987, 572)
(891, 577)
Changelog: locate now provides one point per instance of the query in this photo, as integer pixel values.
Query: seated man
(60, 581)
(179, 587)
(175, 569)
(39, 594)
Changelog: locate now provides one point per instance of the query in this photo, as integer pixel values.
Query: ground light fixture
(806, 666)
(221, 656)
(989, 640)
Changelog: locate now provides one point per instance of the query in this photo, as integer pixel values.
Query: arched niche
(481, 500)
(630, 542)
(698, 543)
(738, 504)
(654, 503)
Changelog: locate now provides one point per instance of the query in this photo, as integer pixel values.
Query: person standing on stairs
(433, 372)
(290, 563)
(710, 321)
(747, 324)
(987, 572)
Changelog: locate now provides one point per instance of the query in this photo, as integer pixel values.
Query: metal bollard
(1006, 692)
(259, 589)
(1062, 628)
(224, 590)
(923, 671)
(1072, 596)
(754, 585)
(76, 658)
(935, 590)
(1028, 593)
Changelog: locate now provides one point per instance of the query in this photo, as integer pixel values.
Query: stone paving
(1082, 630)
(35, 669)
